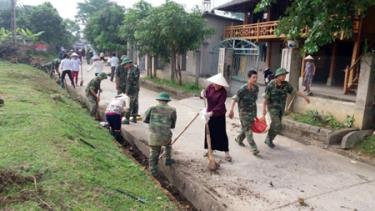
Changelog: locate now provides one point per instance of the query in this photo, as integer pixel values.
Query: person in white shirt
(114, 64)
(97, 65)
(101, 55)
(114, 113)
(66, 68)
(76, 64)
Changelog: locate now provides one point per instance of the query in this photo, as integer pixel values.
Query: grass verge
(45, 161)
(322, 120)
(185, 87)
(367, 146)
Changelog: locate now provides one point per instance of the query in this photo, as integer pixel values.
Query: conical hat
(309, 57)
(219, 80)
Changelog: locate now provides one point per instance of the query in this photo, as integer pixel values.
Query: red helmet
(259, 126)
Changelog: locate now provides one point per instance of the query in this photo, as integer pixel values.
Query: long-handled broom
(81, 82)
(212, 164)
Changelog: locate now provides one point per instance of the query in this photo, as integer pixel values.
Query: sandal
(228, 158)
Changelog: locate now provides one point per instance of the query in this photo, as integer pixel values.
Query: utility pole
(13, 21)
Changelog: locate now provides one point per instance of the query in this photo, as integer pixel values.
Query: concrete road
(276, 180)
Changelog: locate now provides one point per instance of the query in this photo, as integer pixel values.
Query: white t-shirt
(66, 64)
(98, 66)
(114, 61)
(116, 106)
(76, 63)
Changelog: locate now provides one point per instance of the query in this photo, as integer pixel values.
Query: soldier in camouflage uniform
(92, 93)
(132, 89)
(121, 77)
(246, 98)
(161, 119)
(274, 101)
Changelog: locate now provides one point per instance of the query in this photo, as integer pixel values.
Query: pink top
(216, 100)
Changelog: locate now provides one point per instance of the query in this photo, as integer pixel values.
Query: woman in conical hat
(216, 95)
(308, 73)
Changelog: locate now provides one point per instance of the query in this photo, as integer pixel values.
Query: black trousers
(64, 72)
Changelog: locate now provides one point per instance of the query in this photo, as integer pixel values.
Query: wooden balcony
(254, 32)
(263, 31)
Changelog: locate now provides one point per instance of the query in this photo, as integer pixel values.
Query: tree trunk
(153, 66)
(148, 65)
(179, 76)
(173, 65)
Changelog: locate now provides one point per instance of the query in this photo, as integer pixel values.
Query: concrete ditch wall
(200, 196)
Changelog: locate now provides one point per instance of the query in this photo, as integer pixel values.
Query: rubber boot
(239, 142)
(134, 120)
(269, 143)
(168, 156)
(254, 147)
(154, 159)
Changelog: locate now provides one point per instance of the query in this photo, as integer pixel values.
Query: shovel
(212, 164)
(81, 82)
(180, 134)
(97, 114)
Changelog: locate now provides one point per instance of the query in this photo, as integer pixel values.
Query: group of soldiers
(127, 82)
(162, 117)
(274, 102)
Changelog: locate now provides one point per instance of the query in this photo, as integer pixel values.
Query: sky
(68, 8)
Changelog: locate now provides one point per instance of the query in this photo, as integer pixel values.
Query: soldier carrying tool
(161, 118)
(93, 94)
(274, 102)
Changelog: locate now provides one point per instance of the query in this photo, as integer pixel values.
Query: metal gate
(245, 57)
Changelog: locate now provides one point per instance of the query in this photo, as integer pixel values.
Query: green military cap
(102, 76)
(281, 71)
(126, 60)
(123, 57)
(164, 96)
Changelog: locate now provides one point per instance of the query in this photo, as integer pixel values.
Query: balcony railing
(256, 31)
(263, 30)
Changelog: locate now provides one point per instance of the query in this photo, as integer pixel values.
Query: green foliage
(133, 17)
(316, 119)
(325, 20)
(73, 28)
(349, 121)
(5, 35)
(21, 34)
(367, 145)
(102, 28)
(45, 18)
(186, 87)
(41, 18)
(169, 30)
(40, 136)
(27, 34)
(89, 8)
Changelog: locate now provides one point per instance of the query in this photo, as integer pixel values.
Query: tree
(88, 9)
(45, 18)
(73, 28)
(133, 18)
(102, 29)
(322, 21)
(170, 31)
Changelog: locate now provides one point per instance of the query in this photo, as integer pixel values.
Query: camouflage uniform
(132, 90)
(276, 99)
(161, 119)
(121, 77)
(93, 85)
(247, 109)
